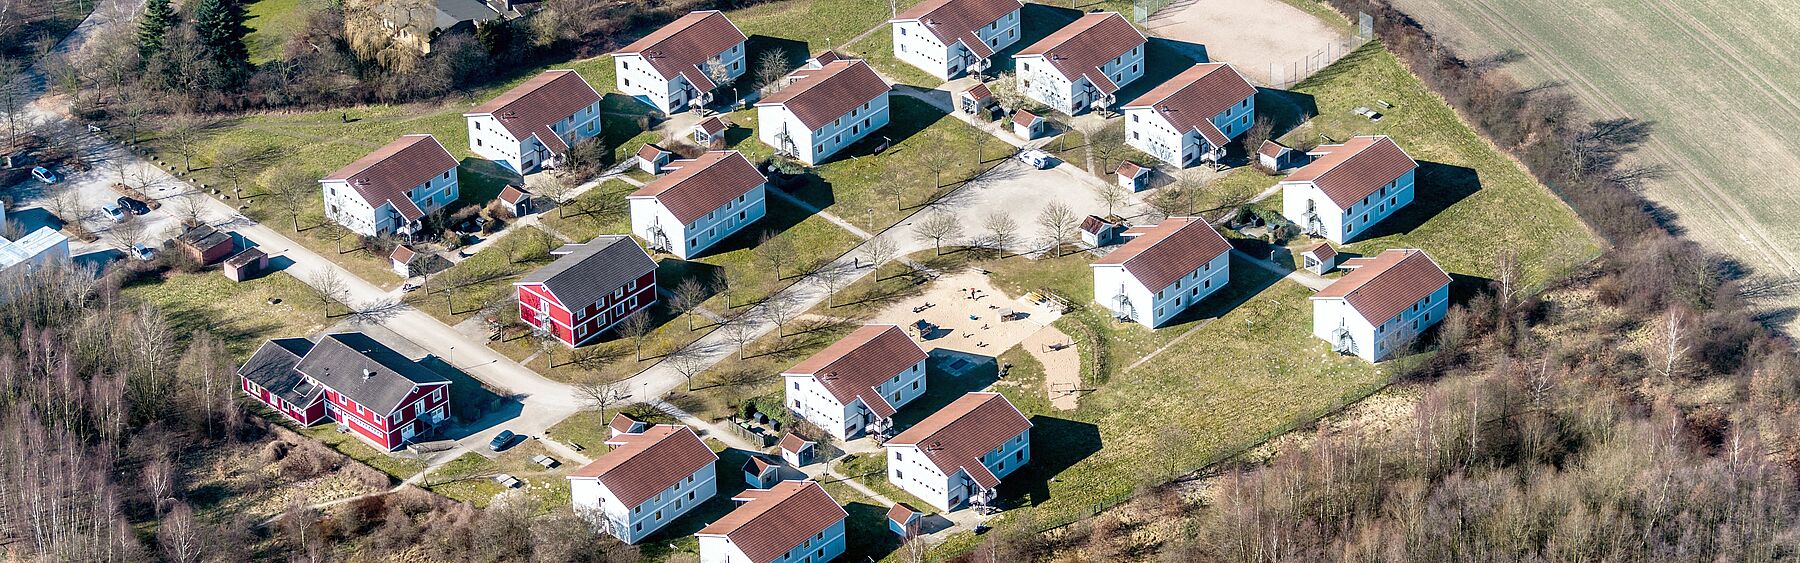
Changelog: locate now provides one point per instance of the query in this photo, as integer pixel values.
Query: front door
(407, 432)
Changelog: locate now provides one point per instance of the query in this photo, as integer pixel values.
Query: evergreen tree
(158, 19)
(219, 25)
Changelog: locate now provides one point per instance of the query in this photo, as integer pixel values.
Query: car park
(118, 214)
(134, 206)
(501, 440)
(44, 175)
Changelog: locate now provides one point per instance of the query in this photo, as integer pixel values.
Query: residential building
(532, 126)
(1382, 304)
(959, 454)
(589, 288)
(946, 37)
(1192, 117)
(373, 392)
(682, 65)
(649, 479)
(855, 385)
(1348, 188)
(418, 25)
(390, 191)
(1161, 270)
(791, 522)
(825, 107)
(1082, 65)
(700, 202)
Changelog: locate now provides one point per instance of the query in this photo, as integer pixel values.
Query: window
(658, 515)
(915, 385)
(690, 493)
(898, 474)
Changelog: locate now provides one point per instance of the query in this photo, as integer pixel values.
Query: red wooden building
(589, 289)
(369, 389)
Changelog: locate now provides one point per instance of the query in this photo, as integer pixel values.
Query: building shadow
(473, 406)
(1163, 59)
(866, 530)
(1056, 445)
(1247, 281)
(1286, 109)
(1464, 287)
(949, 375)
(907, 116)
(1436, 187)
(782, 214)
(1036, 21)
(730, 482)
(32, 219)
(793, 52)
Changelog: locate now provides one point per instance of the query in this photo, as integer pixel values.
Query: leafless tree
(740, 331)
(775, 251)
(1671, 342)
(293, 189)
(879, 250)
(190, 209)
(327, 287)
(1057, 224)
(1173, 200)
(831, 278)
(687, 361)
(1113, 195)
(68, 206)
(1108, 144)
(183, 135)
(1007, 92)
(128, 234)
(332, 231)
(600, 395)
(771, 68)
(236, 162)
(1002, 230)
(896, 190)
(158, 475)
(13, 96)
(937, 228)
(179, 535)
(721, 284)
(780, 309)
(686, 299)
(637, 328)
(937, 154)
(1261, 131)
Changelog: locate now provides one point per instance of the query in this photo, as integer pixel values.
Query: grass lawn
(469, 478)
(878, 49)
(238, 313)
(272, 22)
(866, 528)
(1473, 202)
(588, 428)
(599, 211)
(459, 292)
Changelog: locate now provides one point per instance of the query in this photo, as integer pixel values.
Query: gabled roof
(1168, 250)
(272, 368)
(512, 194)
(1272, 149)
(683, 46)
(853, 367)
(711, 125)
(903, 513)
(1131, 169)
(366, 371)
(586, 272)
(979, 92)
(1094, 224)
(651, 151)
(755, 465)
(622, 423)
(530, 108)
(775, 520)
(1078, 49)
(402, 254)
(384, 176)
(1025, 118)
(1191, 99)
(1322, 251)
(644, 464)
(1349, 172)
(794, 443)
(956, 436)
(700, 185)
(821, 95)
(1381, 287)
(958, 20)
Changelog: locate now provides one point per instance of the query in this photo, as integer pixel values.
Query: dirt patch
(965, 324)
(1062, 366)
(1271, 42)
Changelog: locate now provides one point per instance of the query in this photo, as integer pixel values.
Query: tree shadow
(1436, 187)
(1056, 445)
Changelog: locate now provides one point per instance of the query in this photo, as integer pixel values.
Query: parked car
(502, 440)
(117, 213)
(44, 175)
(1037, 159)
(135, 206)
(141, 252)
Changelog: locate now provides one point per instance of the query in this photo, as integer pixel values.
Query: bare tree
(1672, 335)
(780, 309)
(721, 284)
(1002, 230)
(599, 395)
(879, 250)
(771, 68)
(126, 235)
(13, 96)
(1007, 92)
(327, 287)
(293, 188)
(687, 361)
(68, 207)
(1113, 195)
(1173, 200)
(937, 154)
(739, 331)
(775, 251)
(832, 277)
(184, 137)
(1057, 224)
(937, 228)
(637, 328)
(686, 298)
(180, 536)
(1108, 143)
(158, 475)
(190, 209)
(1261, 131)
(236, 162)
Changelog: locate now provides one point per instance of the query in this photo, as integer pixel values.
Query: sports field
(1719, 79)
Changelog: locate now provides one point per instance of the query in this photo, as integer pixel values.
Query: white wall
(689, 240)
(808, 399)
(1374, 343)
(490, 140)
(816, 549)
(637, 78)
(909, 469)
(1148, 131)
(632, 524)
(1348, 224)
(1154, 309)
(345, 206)
(1041, 81)
(917, 46)
(814, 146)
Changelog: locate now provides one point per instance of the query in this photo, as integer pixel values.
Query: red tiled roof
(1191, 99)
(1131, 169)
(402, 254)
(687, 43)
(1271, 149)
(793, 442)
(963, 431)
(777, 519)
(1167, 251)
(1078, 49)
(902, 513)
(1322, 251)
(979, 92)
(700, 185)
(756, 465)
(1026, 118)
(1092, 224)
(530, 108)
(821, 95)
(851, 368)
(621, 423)
(642, 465)
(824, 57)
(1387, 284)
(958, 20)
(1349, 172)
(512, 194)
(650, 152)
(388, 173)
(711, 125)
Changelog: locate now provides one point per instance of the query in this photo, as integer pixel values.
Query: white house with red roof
(855, 385)
(1161, 270)
(825, 107)
(649, 479)
(701, 202)
(791, 522)
(1348, 187)
(1082, 65)
(683, 65)
(532, 126)
(371, 391)
(1192, 117)
(946, 37)
(588, 288)
(1382, 304)
(959, 454)
(389, 191)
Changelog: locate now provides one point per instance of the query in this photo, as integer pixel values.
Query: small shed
(206, 244)
(1320, 259)
(975, 99)
(710, 132)
(652, 158)
(1133, 176)
(624, 424)
(760, 473)
(1097, 232)
(1276, 156)
(904, 520)
(1029, 125)
(401, 260)
(247, 264)
(797, 451)
(517, 201)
